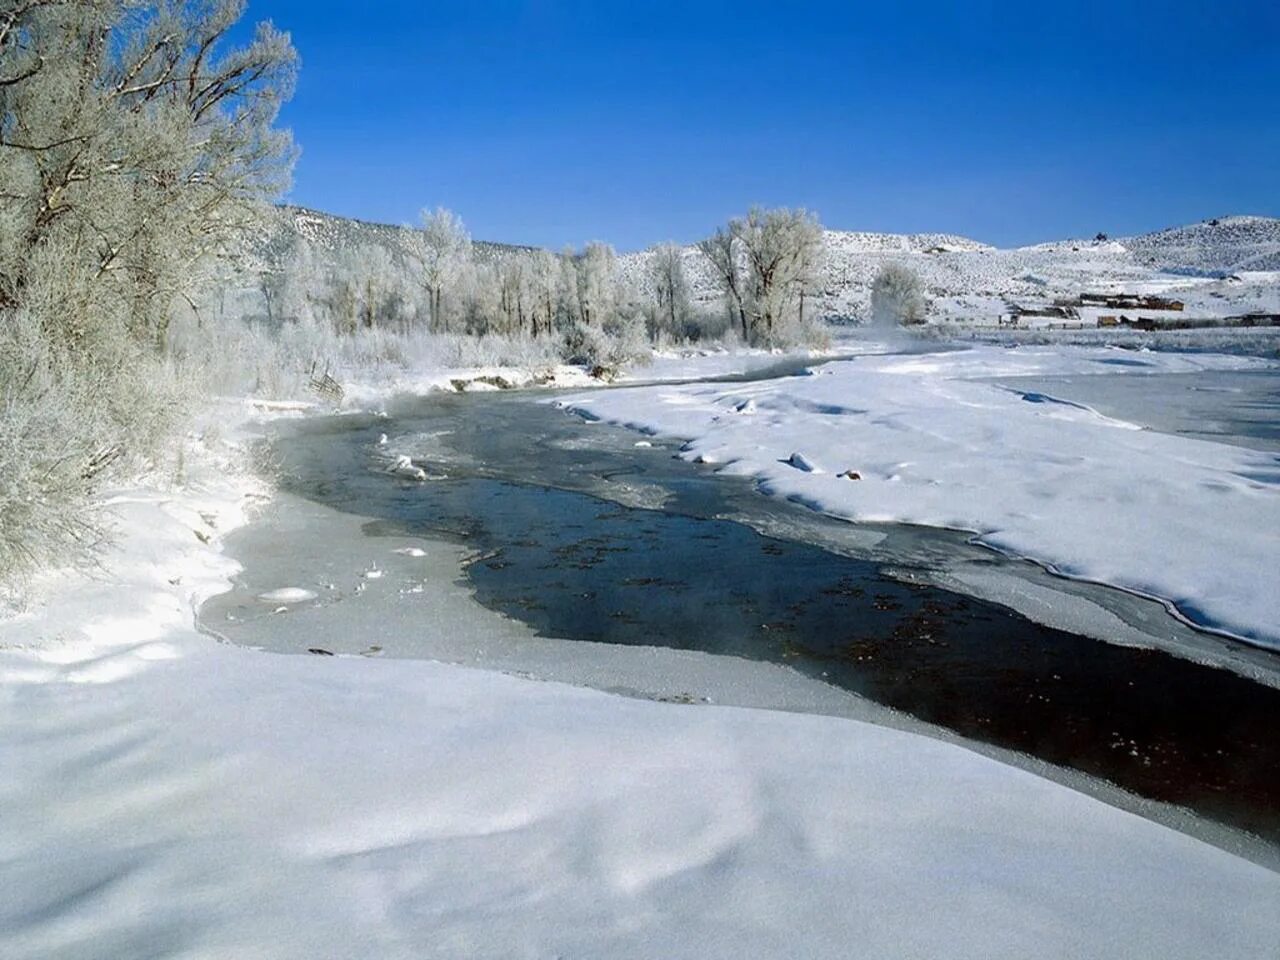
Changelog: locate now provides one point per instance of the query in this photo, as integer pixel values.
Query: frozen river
(576, 533)
(1237, 407)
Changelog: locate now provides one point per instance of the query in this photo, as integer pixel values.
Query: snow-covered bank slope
(168, 796)
(1191, 522)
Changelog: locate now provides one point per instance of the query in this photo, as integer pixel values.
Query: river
(581, 533)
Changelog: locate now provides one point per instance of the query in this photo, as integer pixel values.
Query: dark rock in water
(320, 651)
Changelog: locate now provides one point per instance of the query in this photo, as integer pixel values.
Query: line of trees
(435, 279)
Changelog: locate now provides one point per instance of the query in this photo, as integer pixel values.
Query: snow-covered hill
(1226, 245)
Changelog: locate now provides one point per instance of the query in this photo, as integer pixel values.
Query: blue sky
(549, 122)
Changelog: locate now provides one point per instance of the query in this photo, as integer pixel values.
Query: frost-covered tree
(301, 280)
(444, 246)
(897, 296)
(766, 263)
(379, 288)
(781, 250)
(515, 291)
(596, 284)
(544, 282)
(136, 149)
(722, 251)
(134, 141)
(671, 307)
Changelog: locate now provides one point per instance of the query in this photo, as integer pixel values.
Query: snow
(288, 595)
(372, 389)
(1190, 522)
(168, 795)
(673, 366)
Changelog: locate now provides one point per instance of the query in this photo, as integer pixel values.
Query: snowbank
(366, 392)
(671, 366)
(1193, 523)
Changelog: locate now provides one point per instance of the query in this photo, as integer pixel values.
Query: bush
(897, 296)
(66, 424)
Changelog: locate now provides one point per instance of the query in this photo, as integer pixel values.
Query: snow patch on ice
(288, 595)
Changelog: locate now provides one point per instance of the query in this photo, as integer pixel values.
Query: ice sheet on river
(1191, 522)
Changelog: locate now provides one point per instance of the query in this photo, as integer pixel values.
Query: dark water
(522, 479)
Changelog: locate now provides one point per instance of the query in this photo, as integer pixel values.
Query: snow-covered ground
(166, 795)
(1190, 522)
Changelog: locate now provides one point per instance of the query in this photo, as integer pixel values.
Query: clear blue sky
(550, 122)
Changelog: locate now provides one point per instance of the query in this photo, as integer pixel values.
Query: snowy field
(167, 795)
(1190, 522)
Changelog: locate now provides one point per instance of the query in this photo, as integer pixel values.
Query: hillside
(1226, 245)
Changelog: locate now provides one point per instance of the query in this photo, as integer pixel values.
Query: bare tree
(544, 271)
(766, 263)
(897, 296)
(781, 249)
(514, 284)
(445, 251)
(670, 289)
(721, 250)
(596, 284)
